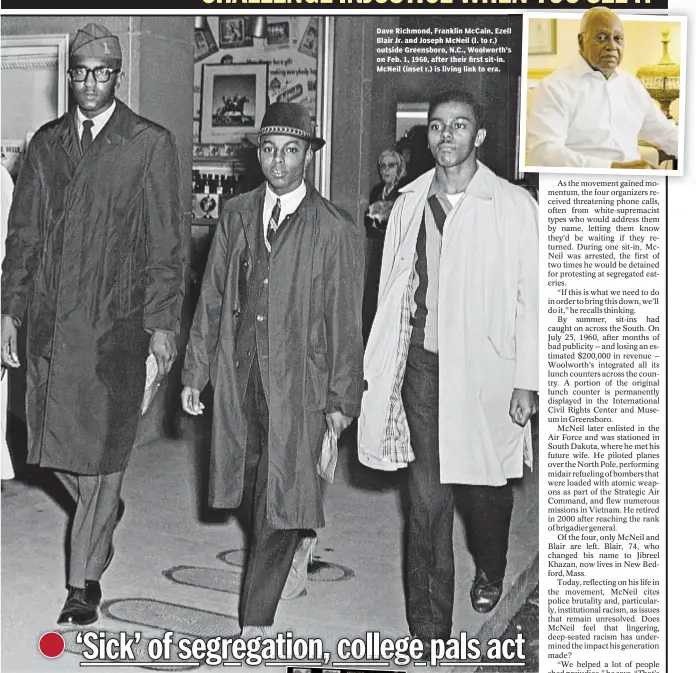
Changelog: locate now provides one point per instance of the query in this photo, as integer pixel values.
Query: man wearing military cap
(277, 333)
(94, 265)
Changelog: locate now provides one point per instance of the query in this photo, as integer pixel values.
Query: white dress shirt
(581, 119)
(99, 121)
(289, 203)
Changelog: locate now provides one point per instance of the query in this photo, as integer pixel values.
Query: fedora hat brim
(314, 142)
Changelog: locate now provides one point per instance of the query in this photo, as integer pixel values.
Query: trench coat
(94, 259)
(487, 332)
(315, 348)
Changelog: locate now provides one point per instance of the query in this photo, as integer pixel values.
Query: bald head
(601, 39)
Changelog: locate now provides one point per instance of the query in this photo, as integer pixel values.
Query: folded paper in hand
(527, 452)
(326, 467)
(152, 383)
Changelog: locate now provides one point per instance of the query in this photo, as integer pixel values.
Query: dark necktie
(273, 223)
(438, 212)
(86, 139)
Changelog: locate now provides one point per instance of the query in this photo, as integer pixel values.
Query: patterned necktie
(273, 223)
(86, 139)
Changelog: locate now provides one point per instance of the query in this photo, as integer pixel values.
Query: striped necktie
(86, 140)
(273, 223)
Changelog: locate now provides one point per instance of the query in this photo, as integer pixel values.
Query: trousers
(271, 550)
(96, 514)
(487, 511)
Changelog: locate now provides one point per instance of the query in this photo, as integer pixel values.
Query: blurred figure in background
(6, 187)
(392, 171)
(414, 148)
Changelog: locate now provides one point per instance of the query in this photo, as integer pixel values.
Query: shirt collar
(580, 67)
(99, 121)
(480, 186)
(288, 202)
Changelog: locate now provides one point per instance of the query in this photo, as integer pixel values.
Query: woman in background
(392, 170)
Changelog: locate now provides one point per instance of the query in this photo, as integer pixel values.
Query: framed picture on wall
(234, 33)
(542, 36)
(233, 101)
(310, 40)
(279, 33)
(35, 89)
(203, 41)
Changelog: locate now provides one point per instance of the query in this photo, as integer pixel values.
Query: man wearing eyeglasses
(94, 266)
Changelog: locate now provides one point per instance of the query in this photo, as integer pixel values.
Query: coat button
(265, 281)
(259, 318)
(236, 364)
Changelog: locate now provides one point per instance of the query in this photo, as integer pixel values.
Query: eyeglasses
(391, 165)
(101, 74)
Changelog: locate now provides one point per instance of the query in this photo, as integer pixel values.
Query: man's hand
(163, 347)
(191, 401)
(9, 342)
(523, 404)
(337, 422)
(641, 164)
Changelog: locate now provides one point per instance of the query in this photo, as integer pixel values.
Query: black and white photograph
(337, 342)
(204, 40)
(310, 39)
(322, 462)
(234, 33)
(278, 33)
(233, 101)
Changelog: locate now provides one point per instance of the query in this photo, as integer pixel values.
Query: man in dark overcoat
(277, 333)
(95, 266)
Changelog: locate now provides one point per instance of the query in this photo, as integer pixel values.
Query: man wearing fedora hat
(277, 333)
(94, 264)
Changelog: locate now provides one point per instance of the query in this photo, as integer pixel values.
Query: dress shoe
(77, 610)
(484, 593)
(295, 584)
(93, 593)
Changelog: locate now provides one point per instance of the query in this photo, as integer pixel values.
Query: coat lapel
(251, 219)
(417, 193)
(68, 138)
(307, 210)
(119, 129)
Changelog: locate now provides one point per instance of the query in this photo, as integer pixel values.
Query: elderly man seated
(591, 114)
